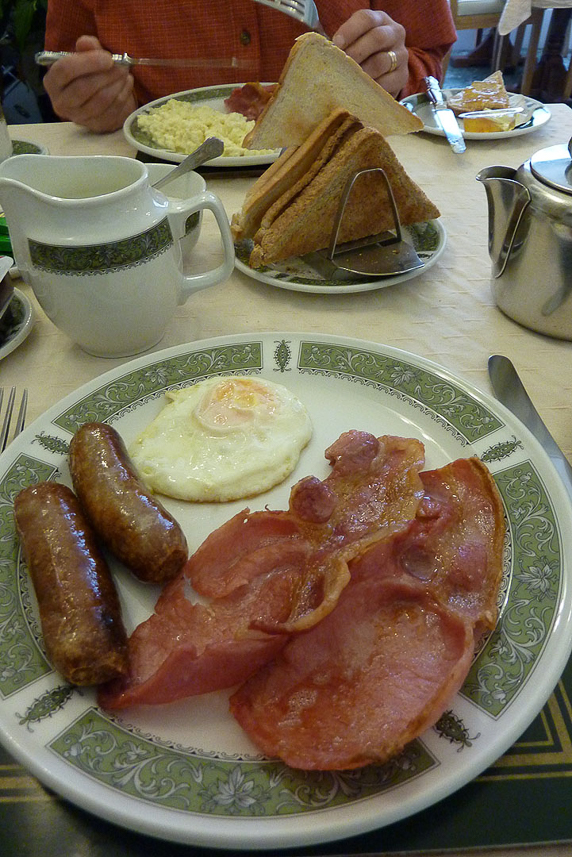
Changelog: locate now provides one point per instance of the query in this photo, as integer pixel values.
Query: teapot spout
(507, 201)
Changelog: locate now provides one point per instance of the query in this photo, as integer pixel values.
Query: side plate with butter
(534, 115)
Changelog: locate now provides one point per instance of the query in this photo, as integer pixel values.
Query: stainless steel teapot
(530, 239)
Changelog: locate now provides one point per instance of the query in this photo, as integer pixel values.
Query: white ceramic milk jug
(100, 247)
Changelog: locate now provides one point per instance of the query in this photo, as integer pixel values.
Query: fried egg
(222, 439)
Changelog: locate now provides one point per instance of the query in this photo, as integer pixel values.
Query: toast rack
(386, 254)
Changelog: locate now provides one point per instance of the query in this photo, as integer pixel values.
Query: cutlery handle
(48, 58)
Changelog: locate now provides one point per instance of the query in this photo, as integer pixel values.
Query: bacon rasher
(384, 665)
(249, 99)
(270, 574)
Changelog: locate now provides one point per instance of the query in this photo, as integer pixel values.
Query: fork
(302, 10)
(48, 58)
(20, 420)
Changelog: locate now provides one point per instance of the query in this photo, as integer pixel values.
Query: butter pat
(486, 121)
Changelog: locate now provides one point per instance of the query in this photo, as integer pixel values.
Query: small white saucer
(14, 332)
(26, 147)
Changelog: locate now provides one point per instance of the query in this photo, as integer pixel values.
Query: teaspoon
(211, 148)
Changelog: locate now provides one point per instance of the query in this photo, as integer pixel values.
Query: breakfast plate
(296, 275)
(419, 104)
(16, 323)
(206, 96)
(185, 772)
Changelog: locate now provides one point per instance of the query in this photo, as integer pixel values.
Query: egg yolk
(234, 403)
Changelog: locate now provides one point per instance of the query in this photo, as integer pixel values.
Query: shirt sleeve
(66, 21)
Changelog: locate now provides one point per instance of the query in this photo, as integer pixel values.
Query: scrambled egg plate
(222, 439)
(181, 127)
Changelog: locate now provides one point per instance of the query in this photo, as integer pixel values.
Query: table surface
(447, 315)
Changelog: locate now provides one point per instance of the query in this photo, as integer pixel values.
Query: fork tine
(21, 419)
(7, 418)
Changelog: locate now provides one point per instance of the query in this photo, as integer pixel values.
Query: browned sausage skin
(79, 607)
(124, 514)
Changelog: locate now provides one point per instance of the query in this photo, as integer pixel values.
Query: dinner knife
(510, 390)
(47, 58)
(444, 116)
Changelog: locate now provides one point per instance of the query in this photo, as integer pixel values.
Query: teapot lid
(553, 166)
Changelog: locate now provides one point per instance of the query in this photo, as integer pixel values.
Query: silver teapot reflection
(530, 239)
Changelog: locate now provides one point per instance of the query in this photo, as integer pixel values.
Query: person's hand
(88, 89)
(377, 43)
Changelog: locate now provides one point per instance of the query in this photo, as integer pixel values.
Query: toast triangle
(316, 79)
(305, 224)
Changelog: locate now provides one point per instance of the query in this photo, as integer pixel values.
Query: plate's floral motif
(136, 386)
(439, 397)
(425, 238)
(157, 771)
(21, 660)
(513, 651)
(195, 783)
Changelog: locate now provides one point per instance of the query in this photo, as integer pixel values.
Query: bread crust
(302, 221)
(316, 79)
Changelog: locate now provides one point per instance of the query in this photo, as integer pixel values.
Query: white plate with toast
(419, 104)
(206, 96)
(296, 275)
(185, 772)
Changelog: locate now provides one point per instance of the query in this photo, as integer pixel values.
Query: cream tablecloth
(515, 12)
(447, 314)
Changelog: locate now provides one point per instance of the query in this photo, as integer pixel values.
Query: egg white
(222, 439)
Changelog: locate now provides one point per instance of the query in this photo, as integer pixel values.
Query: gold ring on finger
(393, 61)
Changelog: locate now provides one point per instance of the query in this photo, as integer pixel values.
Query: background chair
(479, 15)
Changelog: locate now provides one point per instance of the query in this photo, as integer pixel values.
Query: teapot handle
(178, 217)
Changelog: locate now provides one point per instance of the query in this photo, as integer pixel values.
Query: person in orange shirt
(396, 42)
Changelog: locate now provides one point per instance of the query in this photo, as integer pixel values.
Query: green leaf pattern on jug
(102, 258)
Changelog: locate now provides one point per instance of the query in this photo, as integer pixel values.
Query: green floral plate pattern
(206, 96)
(295, 274)
(186, 772)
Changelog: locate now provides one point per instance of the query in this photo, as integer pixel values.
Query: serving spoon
(211, 148)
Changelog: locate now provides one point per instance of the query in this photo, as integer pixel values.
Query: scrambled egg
(181, 127)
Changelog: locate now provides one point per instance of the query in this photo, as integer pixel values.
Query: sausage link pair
(124, 514)
(79, 607)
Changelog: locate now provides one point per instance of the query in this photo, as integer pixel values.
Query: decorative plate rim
(49, 730)
(273, 276)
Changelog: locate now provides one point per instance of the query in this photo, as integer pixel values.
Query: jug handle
(178, 216)
(501, 248)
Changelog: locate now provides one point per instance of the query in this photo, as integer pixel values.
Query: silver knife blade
(444, 116)
(510, 390)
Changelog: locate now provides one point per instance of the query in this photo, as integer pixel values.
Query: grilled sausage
(79, 607)
(124, 514)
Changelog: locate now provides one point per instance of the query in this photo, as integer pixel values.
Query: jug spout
(507, 200)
